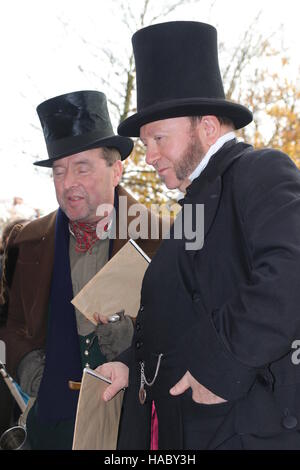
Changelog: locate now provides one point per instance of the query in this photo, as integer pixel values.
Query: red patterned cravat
(85, 235)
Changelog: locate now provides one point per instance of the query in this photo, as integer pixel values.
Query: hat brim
(123, 144)
(240, 115)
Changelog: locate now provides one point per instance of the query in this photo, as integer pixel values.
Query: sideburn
(190, 158)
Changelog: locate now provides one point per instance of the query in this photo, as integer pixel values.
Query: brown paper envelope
(97, 421)
(117, 286)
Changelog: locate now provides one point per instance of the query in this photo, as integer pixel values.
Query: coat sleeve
(17, 344)
(257, 326)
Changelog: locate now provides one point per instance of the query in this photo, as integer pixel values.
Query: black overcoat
(227, 312)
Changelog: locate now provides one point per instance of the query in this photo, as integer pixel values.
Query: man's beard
(190, 158)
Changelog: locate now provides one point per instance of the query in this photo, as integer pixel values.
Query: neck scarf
(85, 235)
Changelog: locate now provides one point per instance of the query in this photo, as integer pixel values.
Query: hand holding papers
(97, 421)
(116, 286)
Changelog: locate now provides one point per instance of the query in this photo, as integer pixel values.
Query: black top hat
(177, 74)
(78, 121)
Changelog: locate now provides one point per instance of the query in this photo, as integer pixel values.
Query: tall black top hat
(78, 121)
(177, 74)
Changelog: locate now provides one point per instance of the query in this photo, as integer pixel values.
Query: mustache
(78, 192)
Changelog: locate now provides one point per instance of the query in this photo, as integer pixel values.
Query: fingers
(100, 318)
(180, 387)
(104, 319)
(200, 394)
(96, 317)
(117, 372)
(112, 391)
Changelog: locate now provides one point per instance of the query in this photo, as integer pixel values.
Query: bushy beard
(190, 158)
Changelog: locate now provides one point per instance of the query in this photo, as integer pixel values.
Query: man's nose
(152, 155)
(69, 179)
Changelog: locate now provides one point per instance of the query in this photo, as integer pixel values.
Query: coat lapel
(211, 199)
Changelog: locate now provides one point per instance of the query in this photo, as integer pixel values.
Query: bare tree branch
(143, 13)
(169, 9)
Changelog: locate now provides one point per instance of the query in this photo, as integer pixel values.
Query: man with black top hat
(48, 342)
(214, 337)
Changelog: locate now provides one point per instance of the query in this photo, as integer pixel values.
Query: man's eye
(83, 169)
(57, 172)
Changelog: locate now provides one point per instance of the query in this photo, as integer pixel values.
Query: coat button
(138, 344)
(138, 326)
(142, 308)
(289, 422)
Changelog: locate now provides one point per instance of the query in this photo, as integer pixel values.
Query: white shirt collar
(213, 149)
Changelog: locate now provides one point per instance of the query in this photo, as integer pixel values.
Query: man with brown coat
(52, 258)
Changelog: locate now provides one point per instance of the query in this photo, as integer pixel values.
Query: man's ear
(211, 129)
(117, 172)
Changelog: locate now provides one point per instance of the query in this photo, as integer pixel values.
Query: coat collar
(218, 164)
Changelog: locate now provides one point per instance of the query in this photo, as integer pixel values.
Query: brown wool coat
(28, 270)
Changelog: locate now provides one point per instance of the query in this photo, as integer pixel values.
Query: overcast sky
(45, 43)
